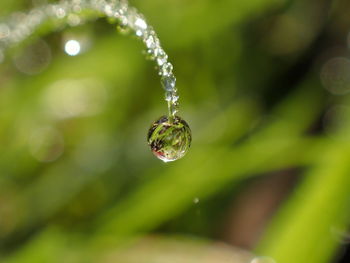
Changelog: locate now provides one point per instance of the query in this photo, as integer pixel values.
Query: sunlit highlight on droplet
(72, 47)
(140, 23)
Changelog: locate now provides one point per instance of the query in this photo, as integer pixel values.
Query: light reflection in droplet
(140, 23)
(335, 75)
(46, 144)
(169, 139)
(73, 98)
(72, 47)
(263, 260)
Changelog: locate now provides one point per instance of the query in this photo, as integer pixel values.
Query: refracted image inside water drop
(169, 138)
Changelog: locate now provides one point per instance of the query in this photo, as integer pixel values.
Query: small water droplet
(150, 42)
(169, 139)
(166, 69)
(161, 56)
(168, 82)
(140, 24)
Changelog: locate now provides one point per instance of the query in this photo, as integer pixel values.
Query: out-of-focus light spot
(60, 12)
(4, 31)
(72, 47)
(141, 26)
(34, 59)
(336, 122)
(341, 235)
(335, 75)
(46, 144)
(196, 200)
(73, 20)
(74, 98)
(263, 260)
(75, 43)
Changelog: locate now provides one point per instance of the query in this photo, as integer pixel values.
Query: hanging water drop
(169, 138)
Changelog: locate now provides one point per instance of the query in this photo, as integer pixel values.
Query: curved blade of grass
(303, 231)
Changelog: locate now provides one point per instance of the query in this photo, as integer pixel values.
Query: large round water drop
(169, 138)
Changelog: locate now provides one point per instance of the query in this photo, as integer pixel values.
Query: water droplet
(162, 58)
(168, 82)
(169, 139)
(140, 24)
(166, 69)
(123, 27)
(150, 42)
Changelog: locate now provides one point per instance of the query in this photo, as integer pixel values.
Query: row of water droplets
(19, 26)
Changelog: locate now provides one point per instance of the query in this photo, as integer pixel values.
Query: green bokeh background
(264, 86)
